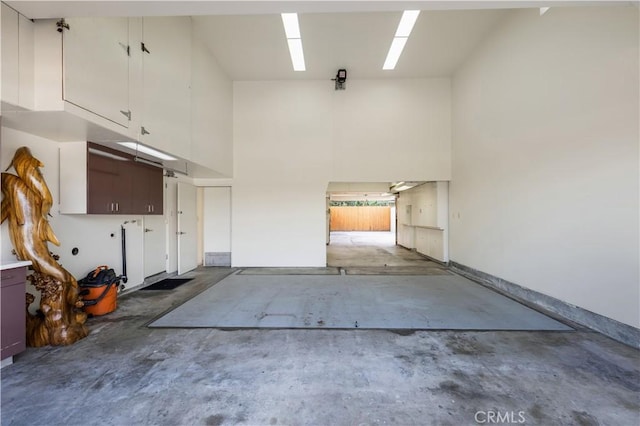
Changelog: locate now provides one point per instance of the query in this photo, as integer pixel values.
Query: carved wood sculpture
(26, 204)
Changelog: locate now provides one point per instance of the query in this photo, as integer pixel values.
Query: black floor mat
(167, 284)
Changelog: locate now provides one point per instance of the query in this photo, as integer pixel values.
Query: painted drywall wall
(217, 220)
(92, 235)
(545, 180)
(291, 138)
(282, 165)
(211, 111)
(385, 130)
(423, 219)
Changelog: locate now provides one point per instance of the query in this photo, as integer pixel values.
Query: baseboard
(609, 327)
(432, 259)
(217, 259)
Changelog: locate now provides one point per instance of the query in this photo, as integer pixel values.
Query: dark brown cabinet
(12, 294)
(147, 190)
(117, 184)
(109, 181)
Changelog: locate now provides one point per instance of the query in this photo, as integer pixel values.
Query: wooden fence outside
(364, 218)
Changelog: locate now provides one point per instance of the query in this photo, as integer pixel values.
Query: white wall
(291, 138)
(386, 130)
(217, 220)
(90, 234)
(211, 110)
(545, 180)
(423, 222)
(282, 165)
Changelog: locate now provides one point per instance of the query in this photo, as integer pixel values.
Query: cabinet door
(10, 64)
(13, 319)
(166, 81)
(109, 183)
(155, 187)
(147, 188)
(123, 186)
(100, 177)
(96, 66)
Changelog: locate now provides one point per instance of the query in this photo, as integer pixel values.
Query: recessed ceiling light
(291, 26)
(397, 45)
(543, 10)
(147, 150)
(407, 22)
(403, 31)
(297, 55)
(294, 40)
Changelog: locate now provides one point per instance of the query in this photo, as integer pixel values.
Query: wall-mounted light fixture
(147, 150)
(341, 79)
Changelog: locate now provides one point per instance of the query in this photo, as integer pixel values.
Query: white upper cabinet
(10, 70)
(103, 79)
(166, 80)
(96, 66)
(17, 59)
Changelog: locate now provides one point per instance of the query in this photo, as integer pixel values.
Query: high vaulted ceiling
(254, 47)
(248, 39)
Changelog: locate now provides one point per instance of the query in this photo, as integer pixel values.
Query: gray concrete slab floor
(124, 373)
(445, 302)
(371, 249)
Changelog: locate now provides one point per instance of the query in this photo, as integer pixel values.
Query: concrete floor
(125, 373)
(431, 302)
(371, 249)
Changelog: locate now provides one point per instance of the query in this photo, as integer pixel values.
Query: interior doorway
(361, 224)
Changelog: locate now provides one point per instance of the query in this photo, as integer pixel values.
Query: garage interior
(453, 241)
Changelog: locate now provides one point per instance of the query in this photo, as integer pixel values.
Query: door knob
(148, 230)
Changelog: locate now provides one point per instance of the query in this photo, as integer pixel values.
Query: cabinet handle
(144, 131)
(153, 208)
(111, 209)
(144, 48)
(126, 114)
(117, 207)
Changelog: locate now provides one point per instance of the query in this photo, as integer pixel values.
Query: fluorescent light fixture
(397, 45)
(297, 55)
(294, 40)
(107, 154)
(291, 26)
(146, 150)
(403, 31)
(407, 22)
(543, 10)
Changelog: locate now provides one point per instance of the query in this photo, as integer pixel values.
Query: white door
(171, 219)
(96, 66)
(154, 245)
(187, 228)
